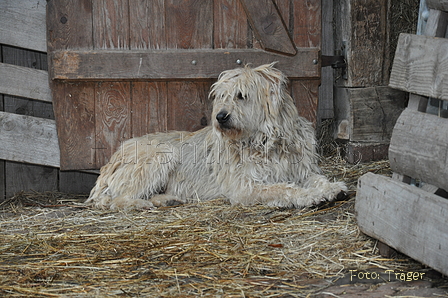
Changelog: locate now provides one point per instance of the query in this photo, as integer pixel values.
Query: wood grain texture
(153, 64)
(421, 66)
(305, 94)
(23, 24)
(24, 82)
(69, 25)
(147, 24)
(192, 110)
(112, 117)
(28, 139)
(76, 129)
(111, 24)
(230, 25)
(189, 23)
(268, 26)
(437, 4)
(419, 147)
(370, 113)
(149, 107)
(404, 217)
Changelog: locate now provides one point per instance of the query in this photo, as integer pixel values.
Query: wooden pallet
(411, 219)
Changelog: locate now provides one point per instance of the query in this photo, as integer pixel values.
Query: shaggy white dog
(257, 151)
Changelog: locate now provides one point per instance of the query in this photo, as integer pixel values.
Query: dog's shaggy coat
(257, 151)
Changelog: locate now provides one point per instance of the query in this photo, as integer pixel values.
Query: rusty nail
(63, 20)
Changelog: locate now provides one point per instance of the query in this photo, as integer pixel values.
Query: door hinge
(338, 61)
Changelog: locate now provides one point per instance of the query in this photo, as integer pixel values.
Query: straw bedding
(52, 246)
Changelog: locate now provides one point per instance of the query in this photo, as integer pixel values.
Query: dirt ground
(51, 245)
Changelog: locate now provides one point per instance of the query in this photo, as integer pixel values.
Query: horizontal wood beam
(404, 217)
(174, 64)
(437, 4)
(421, 66)
(28, 139)
(24, 82)
(23, 24)
(419, 147)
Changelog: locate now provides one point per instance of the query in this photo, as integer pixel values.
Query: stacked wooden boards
(412, 219)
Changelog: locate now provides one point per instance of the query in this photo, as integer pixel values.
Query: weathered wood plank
(230, 25)
(421, 66)
(147, 23)
(22, 24)
(269, 26)
(305, 94)
(69, 25)
(28, 139)
(149, 107)
(24, 82)
(112, 117)
(21, 176)
(76, 128)
(437, 4)
(404, 217)
(111, 24)
(370, 113)
(306, 27)
(158, 64)
(419, 147)
(192, 110)
(189, 24)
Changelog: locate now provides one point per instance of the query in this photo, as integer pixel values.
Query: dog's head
(248, 101)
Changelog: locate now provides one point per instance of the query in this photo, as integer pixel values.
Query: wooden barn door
(124, 68)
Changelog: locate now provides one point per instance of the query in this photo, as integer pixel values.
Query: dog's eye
(240, 96)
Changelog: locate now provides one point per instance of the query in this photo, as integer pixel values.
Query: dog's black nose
(223, 117)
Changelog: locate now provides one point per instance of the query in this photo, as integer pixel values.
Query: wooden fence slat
(421, 66)
(159, 64)
(28, 139)
(404, 217)
(24, 82)
(437, 4)
(268, 26)
(419, 147)
(22, 24)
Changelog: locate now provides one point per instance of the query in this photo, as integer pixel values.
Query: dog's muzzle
(223, 118)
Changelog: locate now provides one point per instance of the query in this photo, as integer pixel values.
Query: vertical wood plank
(149, 99)
(69, 26)
(190, 111)
(147, 24)
(113, 118)
(76, 136)
(307, 33)
(189, 24)
(111, 24)
(307, 23)
(230, 24)
(149, 107)
(305, 94)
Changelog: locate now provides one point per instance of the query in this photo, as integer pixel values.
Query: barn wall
(23, 49)
(365, 107)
